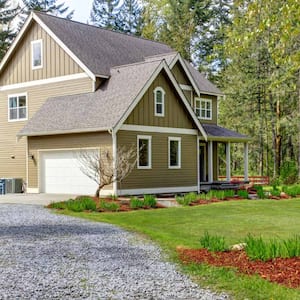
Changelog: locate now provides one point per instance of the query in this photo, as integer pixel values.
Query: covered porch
(208, 173)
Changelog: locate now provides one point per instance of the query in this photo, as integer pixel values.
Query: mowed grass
(183, 226)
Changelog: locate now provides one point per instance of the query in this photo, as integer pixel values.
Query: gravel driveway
(48, 256)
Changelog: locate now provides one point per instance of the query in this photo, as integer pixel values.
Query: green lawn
(234, 220)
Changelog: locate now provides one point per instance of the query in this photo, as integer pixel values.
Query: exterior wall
(160, 176)
(180, 75)
(55, 61)
(176, 115)
(36, 96)
(62, 142)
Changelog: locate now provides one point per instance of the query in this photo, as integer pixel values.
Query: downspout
(114, 150)
(198, 165)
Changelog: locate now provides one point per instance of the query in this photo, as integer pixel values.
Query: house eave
(228, 139)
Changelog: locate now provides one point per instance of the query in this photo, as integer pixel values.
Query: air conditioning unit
(11, 185)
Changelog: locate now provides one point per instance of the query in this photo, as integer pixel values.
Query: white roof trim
(187, 72)
(31, 17)
(162, 65)
(64, 47)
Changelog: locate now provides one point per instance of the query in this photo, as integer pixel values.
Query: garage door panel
(60, 173)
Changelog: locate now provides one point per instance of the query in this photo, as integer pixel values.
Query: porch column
(228, 169)
(246, 178)
(210, 161)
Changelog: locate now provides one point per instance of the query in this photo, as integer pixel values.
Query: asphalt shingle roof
(96, 111)
(101, 49)
(215, 131)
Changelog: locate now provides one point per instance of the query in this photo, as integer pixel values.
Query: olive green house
(67, 86)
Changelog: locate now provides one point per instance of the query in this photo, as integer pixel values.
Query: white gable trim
(34, 17)
(162, 66)
(64, 47)
(186, 70)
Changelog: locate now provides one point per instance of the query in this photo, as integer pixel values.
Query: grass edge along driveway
(183, 226)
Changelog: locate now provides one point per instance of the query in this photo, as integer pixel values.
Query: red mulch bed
(284, 271)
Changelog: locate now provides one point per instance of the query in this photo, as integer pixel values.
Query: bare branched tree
(99, 165)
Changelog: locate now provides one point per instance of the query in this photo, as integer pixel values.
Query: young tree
(102, 169)
(7, 34)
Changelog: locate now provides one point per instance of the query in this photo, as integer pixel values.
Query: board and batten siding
(176, 115)
(56, 62)
(63, 142)
(160, 176)
(36, 96)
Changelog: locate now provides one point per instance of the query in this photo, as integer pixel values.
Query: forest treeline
(249, 48)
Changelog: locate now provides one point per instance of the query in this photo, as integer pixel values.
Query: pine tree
(106, 14)
(7, 34)
(48, 6)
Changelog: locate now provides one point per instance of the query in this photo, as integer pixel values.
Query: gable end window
(174, 152)
(37, 54)
(159, 102)
(144, 151)
(203, 108)
(17, 107)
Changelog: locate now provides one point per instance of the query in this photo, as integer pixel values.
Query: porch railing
(260, 180)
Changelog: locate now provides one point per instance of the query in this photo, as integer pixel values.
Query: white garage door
(60, 174)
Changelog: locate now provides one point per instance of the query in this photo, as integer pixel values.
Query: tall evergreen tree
(131, 17)
(106, 14)
(7, 34)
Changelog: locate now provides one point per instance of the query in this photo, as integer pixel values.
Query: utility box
(11, 185)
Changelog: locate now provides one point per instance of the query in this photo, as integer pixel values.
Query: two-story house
(67, 86)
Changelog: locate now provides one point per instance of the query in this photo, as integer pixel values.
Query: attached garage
(60, 174)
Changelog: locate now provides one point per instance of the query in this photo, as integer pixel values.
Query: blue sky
(82, 9)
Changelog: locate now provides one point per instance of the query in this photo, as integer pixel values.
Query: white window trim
(170, 138)
(32, 54)
(200, 100)
(8, 108)
(149, 138)
(162, 114)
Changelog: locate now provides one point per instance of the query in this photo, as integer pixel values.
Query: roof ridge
(101, 28)
(136, 63)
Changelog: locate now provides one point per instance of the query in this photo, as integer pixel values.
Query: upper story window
(37, 54)
(203, 108)
(174, 152)
(159, 102)
(144, 151)
(17, 107)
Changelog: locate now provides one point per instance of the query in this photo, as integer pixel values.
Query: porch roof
(218, 133)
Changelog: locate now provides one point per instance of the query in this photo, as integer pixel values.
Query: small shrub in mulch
(284, 271)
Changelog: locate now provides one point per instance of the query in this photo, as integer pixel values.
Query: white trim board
(156, 129)
(43, 81)
(183, 189)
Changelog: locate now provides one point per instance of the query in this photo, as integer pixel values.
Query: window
(174, 152)
(36, 54)
(159, 102)
(144, 151)
(203, 108)
(17, 107)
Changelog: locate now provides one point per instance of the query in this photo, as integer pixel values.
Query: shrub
(110, 206)
(58, 205)
(243, 193)
(149, 201)
(213, 242)
(187, 199)
(229, 193)
(275, 192)
(135, 203)
(260, 192)
(289, 172)
(80, 204)
(292, 191)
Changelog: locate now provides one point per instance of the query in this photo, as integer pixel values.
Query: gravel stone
(49, 256)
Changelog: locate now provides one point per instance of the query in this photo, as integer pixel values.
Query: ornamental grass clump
(260, 192)
(213, 242)
(293, 190)
(187, 199)
(80, 204)
(292, 246)
(58, 205)
(135, 203)
(149, 201)
(243, 194)
(109, 206)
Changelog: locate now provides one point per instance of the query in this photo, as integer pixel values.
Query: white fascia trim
(185, 101)
(189, 75)
(16, 41)
(64, 47)
(186, 87)
(147, 191)
(43, 81)
(156, 129)
(139, 96)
